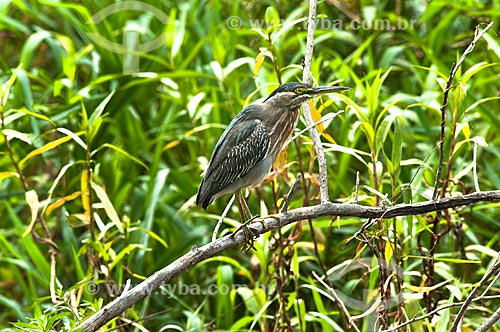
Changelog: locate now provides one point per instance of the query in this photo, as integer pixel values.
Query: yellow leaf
(125, 153)
(328, 137)
(84, 185)
(388, 252)
(5, 88)
(60, 202)
(77, 220)
(154, 236)
(45, 148)
(32, 200)
(476, 139)
(466, 131)
(171, 145)
(426, 289)
(316, 116)
(259, 60)
(281, 160)
(4, 175)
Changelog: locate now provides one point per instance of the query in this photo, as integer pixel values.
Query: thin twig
(461, 313)
(222, 217)
(474, 167)
(306, 78)
(454, 67)
(443, 128)
(338, 300)
(289, 196)
(433, 312)
(356, 194)
(489, 322)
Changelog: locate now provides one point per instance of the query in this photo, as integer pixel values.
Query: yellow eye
(300, 91)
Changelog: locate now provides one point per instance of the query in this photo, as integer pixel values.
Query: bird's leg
(245, 213)
(247, 219)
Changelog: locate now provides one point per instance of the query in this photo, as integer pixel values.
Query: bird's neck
(282, 128)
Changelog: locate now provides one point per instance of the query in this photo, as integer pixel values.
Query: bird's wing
(244, 143)
(244, 146)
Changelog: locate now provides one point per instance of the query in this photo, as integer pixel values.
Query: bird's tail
(204, 196)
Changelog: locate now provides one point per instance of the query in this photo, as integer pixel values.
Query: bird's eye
(300, 91)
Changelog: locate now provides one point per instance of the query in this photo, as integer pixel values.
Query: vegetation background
(99, 164)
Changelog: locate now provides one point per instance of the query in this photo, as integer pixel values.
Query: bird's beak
(320, 90)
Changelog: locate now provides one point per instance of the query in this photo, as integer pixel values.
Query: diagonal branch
(197, 255)
(461, 313)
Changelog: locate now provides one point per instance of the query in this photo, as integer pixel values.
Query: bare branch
(306, 78)
(197, 255)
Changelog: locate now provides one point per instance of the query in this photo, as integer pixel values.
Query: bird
(246, 151)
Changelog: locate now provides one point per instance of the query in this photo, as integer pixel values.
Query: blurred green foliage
(102, 151)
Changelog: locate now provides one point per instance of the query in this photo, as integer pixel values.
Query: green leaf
(25, 92)
(254, 299)
(397, 145)
(382, 132)
(120, 256)
(13, 305)
(108, 206)
(369, 134)
(242, 270)
(121, 151)
(5, 88)
(223, 299)
(272, 19)
(151, 206)
(153, 235)
(95, 119)
(236, 64)
(476, 68)
(300, 312)
(31, 45)
(180, 29)
(34, 114)
(373, 91)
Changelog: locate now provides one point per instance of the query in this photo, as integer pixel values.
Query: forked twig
(461, 313)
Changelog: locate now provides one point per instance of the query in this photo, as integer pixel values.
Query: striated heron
(248, 148)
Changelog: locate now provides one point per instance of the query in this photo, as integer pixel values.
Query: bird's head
(291, 95)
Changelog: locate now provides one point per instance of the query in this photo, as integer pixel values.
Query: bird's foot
(250, 233)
